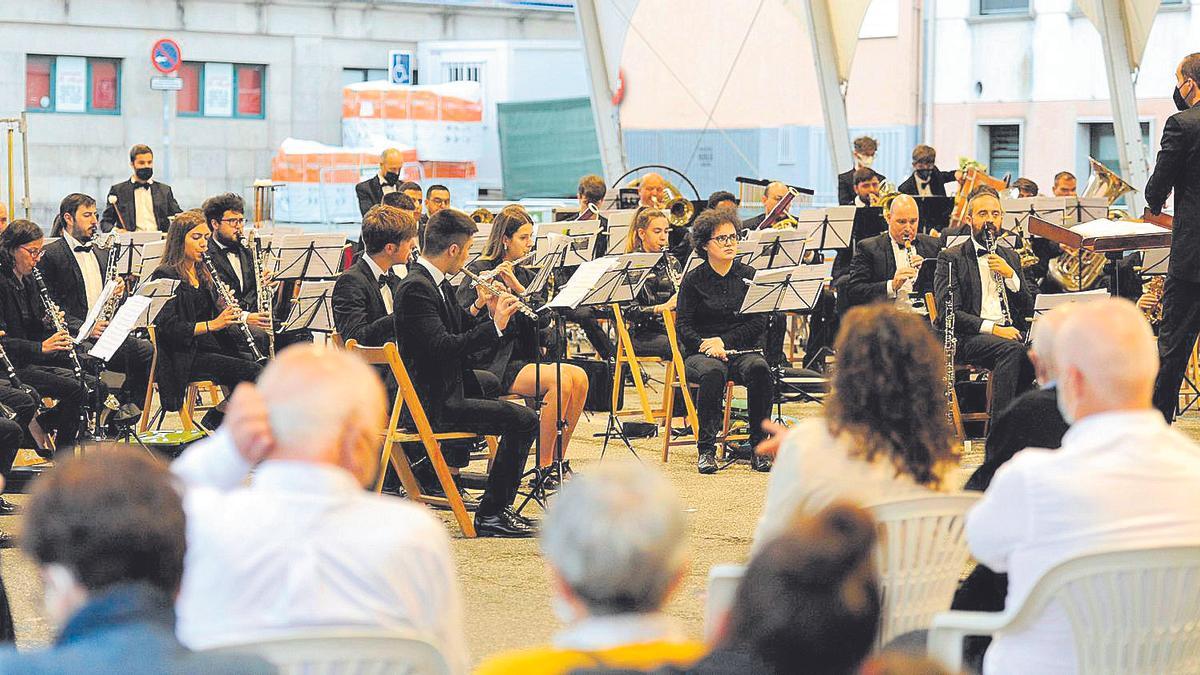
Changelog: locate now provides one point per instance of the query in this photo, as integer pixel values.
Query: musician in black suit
(234, 261)
(775, 191)
(1178, 170)
(363, 294)
(988, 330)
(140, 204)
(370, 192)
(435, 335)
(75, 270)
(864, 156)
(890, 266)
(926, 180)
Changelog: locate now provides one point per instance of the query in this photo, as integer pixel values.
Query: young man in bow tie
(140, 204)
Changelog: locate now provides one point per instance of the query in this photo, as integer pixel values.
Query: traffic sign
(166, 83)
(166, 56)
(400, 67)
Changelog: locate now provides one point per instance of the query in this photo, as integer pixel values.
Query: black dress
(646, 328)
(516, 349)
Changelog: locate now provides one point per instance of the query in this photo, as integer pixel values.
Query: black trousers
(61, 384)
(710, 374)
(586, 318)
(822, 328)
(13, 431)
(132, 359)
(651, 344)
(1012, 371)
(515, 424)
(1176, 336)
(224, 369)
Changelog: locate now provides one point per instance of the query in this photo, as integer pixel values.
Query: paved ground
(504, 582)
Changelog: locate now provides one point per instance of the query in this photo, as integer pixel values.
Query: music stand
(619, 226)
(1156, 262)
(830, 228)
(312, 309)
(552, 249)
(148, 257)
(132, 244)
(775, 248)
(310, 257)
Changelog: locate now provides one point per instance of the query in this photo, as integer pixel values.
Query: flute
(499, 289)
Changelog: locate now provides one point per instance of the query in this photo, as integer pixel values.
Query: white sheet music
(1156, 261)
(603, 280)
(125, 320)
(1048, 301)
(1103, 227)
(620, 224)
(151, 254)
(158, 291)
(786, 289)
(85, 329)
(581, 283)
(829, 227)
(767, 249)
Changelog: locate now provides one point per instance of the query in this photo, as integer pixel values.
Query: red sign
(166, 56)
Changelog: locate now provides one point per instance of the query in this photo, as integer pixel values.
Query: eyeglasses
(234, 221)
(439, 201)
(726, 239)
(34, 253)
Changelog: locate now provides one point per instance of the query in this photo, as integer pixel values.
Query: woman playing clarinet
(650, 234)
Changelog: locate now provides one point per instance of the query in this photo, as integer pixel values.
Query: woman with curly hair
(885, 433)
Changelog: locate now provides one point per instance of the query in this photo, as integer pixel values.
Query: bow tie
(383, 280)
(139, 186)
(981, 252)
(83, 248)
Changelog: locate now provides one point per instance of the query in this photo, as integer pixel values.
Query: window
(72, 84)
(993, 7)
(459, 72)
(787, 145)
(353, 75)
(1004, 149)
(1102, 144)
(217, 89)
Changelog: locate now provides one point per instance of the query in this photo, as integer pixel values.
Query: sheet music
(794, 288)
(312, 308)
(547, 258)
(829, 227)
(130, 245)
(956, 239)
(620, 224)
(775, 248)
(1156, 261)
(151, 255)
(1103, 227)
(602, 280)
(124, 321)
(310, 256)
(581, 283)
(1048, 301)
(85, 329)
(158, 291)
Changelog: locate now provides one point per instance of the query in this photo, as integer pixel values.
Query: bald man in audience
(1122, 479)
(775, 191)
(370, 192)
(305, 544)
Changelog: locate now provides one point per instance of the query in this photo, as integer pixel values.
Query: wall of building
(305, 45)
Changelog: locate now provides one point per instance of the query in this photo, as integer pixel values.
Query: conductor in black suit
(986, 336)
(140, 204)
(864, 156)
(926, 180)
(891, 265)
(370, 192)
(1178, 170)
(363, 294)
(435, 335)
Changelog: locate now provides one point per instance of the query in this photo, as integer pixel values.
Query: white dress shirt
(901, 259)
(1120, 480)
(304, 545)
(235, 260)
(989, 302)
(385, 291)
(89, 267)
(385, 187)
(813, 469)
(143, 208)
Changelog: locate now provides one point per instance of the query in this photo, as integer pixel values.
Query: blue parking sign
(400, 67)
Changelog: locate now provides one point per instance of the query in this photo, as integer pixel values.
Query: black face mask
(1180, 102)
(391, 177)
(143, 174)
(924, 174)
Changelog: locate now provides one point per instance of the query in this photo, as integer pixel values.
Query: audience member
(1122, 479)
(107, 532)
(885, 433)
(303, 544)
(615, 540)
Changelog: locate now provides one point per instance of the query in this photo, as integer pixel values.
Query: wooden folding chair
(187, 413)
(958, 416)
(626, 356)
(389, 356)
(677, 378)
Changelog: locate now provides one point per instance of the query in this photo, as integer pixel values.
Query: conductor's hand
(902, 275)
(228, 316)
(98, 329)
(249, 425)
(1006, 332)
(259, 320)
(997, 264)
(506, 306)
(59, 342)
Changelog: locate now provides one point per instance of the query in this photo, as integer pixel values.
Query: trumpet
(498, 289)
(230, 300)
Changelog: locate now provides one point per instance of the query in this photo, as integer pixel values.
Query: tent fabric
(846, 16)
(1138, 20)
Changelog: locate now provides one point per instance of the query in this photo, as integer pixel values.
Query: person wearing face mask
(1177, 170)
(927, 180)
(141, 203)
(864, 157)
(989, 330)
(1121, 480)
(370, 192)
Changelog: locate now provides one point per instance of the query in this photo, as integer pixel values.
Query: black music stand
(310, 257)
(312, 308)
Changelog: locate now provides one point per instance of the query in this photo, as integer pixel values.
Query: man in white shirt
(992, 301)
(1122, 479)
(304, 544)
(890, 266)
(140, 204)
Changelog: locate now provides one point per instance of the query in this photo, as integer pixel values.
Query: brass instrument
(1079, 270)
(974, 174)
(1155, 290)
(230, 300)
(679, 211)
(57, 320)
(265, 297)
(482, 215)
(496, 288)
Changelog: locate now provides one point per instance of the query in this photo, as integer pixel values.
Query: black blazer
(937, 183)
(1177, 169)
(370, 193)
(23, 320)
(1032, 420)
(435, 336)
(967, 298)
(247, 296)
(65, 281)
(754, 223)
(164, 206)
(873, 265)
(175, 326)
(358, 309)
(846, 186)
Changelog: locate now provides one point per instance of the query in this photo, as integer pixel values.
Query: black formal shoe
(501, 525)
(8, 508)
(707, 462)
(469, 502)
(760, 463)
(741, 450)
(524, 520)
(7, 540)
(128, 412)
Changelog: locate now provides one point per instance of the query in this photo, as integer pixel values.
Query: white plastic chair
(334, 651)
(921, 554)
(1131, 611)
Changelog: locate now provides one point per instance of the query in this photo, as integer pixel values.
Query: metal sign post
(166, 56)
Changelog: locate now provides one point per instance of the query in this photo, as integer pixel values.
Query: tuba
(679, 211)
(1079, 271)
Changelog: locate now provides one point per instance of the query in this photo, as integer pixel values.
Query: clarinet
(57, 320)
(951, 340)
(990, 241)
(110, 275)
(227, 297)
(15, 381)
(264, 291)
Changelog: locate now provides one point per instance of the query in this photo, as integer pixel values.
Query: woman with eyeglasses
(39, 355)
(649, 234)
(195, 331)
(710, 327)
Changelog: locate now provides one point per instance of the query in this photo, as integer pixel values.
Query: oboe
(989, 239)
(951, 344)
(228, 298)
(57, 320)
(264, 289)
(496, 288)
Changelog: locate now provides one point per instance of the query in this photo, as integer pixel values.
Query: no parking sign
(166, 56)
